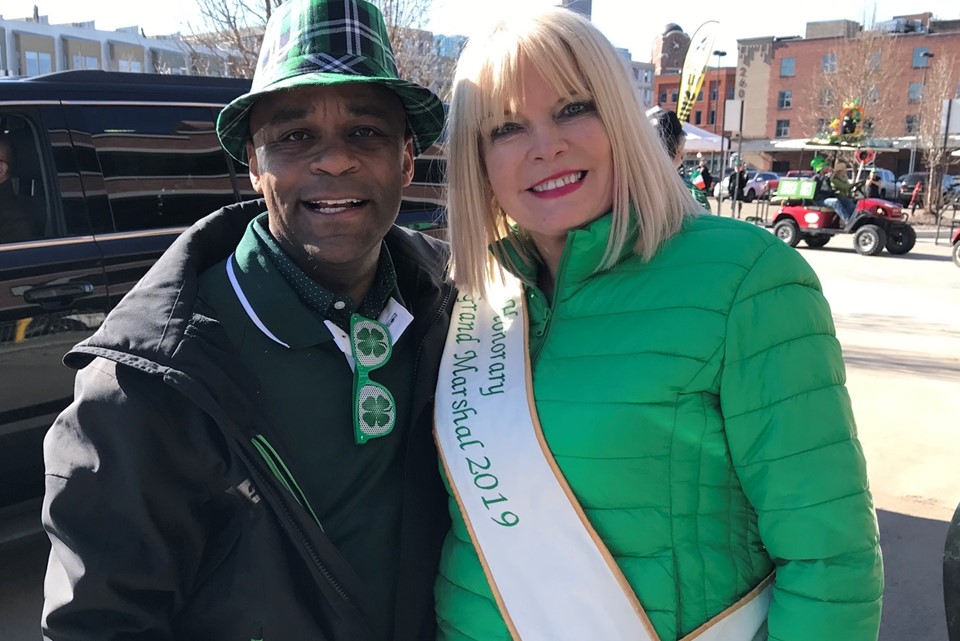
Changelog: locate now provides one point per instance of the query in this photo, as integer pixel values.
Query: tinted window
(25, 213)
(161, 166)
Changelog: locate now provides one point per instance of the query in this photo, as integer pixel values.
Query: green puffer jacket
(696, 405)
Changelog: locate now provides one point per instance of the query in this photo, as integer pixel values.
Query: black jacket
(165, 521)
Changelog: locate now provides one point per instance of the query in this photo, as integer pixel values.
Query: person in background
(620, 465)
(248, 454)
(738, 182)
(825, 192)
(15, 223)
(706, 175)
(874, 184)
(674, 138)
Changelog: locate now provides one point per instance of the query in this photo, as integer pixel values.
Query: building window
(919, 60)
(38, 62)
(84, 62)
(674, 96)
(133, 66)
(730, 92)
(785, 99)
(714, 87)
(663, 96)
(874, 61)
(915, 92)
(788, 67)
(697, 117)
(826, 97)
(783, 128)
(829, 63)
(912, 123)
(712, 118)
(700, 95)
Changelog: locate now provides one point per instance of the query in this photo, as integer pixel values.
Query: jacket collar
(147, 328)
(582, 253)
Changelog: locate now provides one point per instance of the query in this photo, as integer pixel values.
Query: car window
(25, 211)
(162, 166)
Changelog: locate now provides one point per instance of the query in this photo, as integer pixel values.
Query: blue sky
(629, 24)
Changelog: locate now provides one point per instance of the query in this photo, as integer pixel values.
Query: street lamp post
(926, 55)
(716, 116)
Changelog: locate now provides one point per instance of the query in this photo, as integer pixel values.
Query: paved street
(898, 319)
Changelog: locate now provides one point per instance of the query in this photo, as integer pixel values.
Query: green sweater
(696, 405)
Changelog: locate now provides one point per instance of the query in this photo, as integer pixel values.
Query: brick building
(707, 112)
(785, 83)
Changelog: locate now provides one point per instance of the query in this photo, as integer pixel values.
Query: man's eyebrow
(286, 115)
(368, 109)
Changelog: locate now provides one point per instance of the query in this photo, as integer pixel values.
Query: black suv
(109, 168)
(909, 182)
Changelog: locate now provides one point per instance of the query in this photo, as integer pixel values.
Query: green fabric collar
(272, 298)
(582, 252)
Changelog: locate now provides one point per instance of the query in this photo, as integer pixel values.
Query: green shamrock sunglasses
(374, 410)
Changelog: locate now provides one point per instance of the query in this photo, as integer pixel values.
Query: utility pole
(716, 117)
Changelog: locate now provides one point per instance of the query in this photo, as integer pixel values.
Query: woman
(687, 431)
(674, 139)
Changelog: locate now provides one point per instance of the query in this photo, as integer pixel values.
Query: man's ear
(254, 167)
(407, 168)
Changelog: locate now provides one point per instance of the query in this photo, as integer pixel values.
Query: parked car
(761, 184)
(110, 168)
(948, 183)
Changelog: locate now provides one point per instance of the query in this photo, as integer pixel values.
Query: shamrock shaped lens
(374, 410)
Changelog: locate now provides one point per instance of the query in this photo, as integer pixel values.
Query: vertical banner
(695, 67)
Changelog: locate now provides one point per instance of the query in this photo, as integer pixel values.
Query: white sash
(552, 576)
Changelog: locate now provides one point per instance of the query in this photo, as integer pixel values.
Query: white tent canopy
(701, 140)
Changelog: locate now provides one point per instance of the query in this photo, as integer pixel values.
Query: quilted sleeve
(793, 444)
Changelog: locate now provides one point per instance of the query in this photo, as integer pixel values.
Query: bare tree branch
(938, 87)
(858, 68)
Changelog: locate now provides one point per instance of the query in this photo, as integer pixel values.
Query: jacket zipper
(551, 311)
(266, 487)
(283, 474)
(436, 316)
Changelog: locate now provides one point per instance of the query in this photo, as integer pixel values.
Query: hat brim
(423, 108)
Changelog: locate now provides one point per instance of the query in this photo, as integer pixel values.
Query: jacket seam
(780, 344)
(781, 400)
(794, 508)
(792, 454)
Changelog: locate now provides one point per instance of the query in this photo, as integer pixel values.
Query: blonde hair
(575, 59)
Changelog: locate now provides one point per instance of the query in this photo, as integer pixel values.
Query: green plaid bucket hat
(328, 42)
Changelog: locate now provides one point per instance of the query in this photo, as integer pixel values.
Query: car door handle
(57, 295)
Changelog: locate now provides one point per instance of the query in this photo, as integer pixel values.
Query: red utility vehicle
(875, 224)
(956, 248)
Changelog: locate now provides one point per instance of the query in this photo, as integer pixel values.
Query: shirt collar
(336, 308)
(294, 314)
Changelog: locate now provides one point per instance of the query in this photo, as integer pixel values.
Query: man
(738, 182)
(249, 452)
(874, 184)
(15, 223)
(826, 193)
(705, 175)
